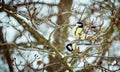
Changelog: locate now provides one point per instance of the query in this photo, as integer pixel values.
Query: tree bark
(60, 33)
(6, 51)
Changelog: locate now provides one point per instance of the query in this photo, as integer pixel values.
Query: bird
(72, 47)
(78, 31)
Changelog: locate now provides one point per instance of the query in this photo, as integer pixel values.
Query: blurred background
(34, 33)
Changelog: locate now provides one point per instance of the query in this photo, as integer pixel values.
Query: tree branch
(40, 38)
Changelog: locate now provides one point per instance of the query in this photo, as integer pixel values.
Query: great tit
(74, 47)
(78, 31)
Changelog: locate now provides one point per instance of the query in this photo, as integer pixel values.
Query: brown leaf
(39, 62)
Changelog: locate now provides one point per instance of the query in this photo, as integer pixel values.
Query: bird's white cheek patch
(70, 47)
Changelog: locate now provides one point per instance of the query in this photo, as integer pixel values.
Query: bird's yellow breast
(78, 33)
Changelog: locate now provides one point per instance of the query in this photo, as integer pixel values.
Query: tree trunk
(6, 51)
(61, 33)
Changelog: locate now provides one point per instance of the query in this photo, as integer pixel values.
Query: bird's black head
(69, 47)
(79, 24)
